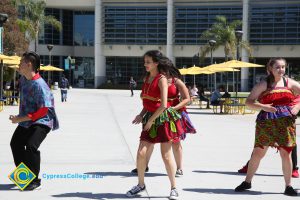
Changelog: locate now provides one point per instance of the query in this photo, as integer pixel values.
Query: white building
(108, 37)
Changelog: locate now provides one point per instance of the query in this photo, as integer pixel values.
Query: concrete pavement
(97, 138)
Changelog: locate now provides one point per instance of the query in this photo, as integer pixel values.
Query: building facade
(108, 37)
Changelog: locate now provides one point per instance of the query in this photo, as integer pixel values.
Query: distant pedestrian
(132, 85)
(36, 117)
(64, 86)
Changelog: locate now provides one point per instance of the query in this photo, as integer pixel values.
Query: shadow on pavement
(88, 195)
(233, 173)
(123, 174)
(227, 191)
(8, 187)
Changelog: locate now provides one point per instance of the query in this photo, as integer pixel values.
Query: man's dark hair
(34, 58)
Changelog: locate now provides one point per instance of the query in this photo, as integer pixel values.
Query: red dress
(173, 99)
(166, 127)
(276, 129)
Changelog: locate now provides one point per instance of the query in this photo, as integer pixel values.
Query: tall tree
(14, 41)
(34, 17)
(223, 33)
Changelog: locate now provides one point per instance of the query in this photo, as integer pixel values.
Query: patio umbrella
(237, 64)
(183, 71)
(3, 58)
(50, 68)
(193, 71)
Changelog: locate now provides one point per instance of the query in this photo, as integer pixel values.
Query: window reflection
(84, 28)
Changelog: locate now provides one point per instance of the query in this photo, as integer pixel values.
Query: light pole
(3, 19)
(72, 65)
(212, 43)
(49, 47)
(238, 35)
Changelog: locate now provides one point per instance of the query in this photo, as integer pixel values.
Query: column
(245, 56)
(170, 28)
(100, 67)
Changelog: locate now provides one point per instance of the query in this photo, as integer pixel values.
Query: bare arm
(295, 86)
(254, 95)
(139, 118)
(184, 93)
(163, 86)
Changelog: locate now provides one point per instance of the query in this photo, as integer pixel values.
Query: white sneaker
(174, 194)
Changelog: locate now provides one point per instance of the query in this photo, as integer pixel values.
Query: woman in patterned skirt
(178, 98)
(161, 123)
(275, 124)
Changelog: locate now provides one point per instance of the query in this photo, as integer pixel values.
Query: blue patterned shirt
(35, 94)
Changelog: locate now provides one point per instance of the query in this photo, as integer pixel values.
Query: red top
(151, 94)
(277, 96)
(173, 95)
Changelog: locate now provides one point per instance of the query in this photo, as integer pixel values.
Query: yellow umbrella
(50, 68)
(183, 71)
(201, 71)
(4, 57)
(11, 62)
(237, 64)
(13, 66)
(191, 70)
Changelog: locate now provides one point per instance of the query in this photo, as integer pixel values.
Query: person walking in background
(161, 123)
(35, 119)
(132, 85)
(275, 123)
(64, 86)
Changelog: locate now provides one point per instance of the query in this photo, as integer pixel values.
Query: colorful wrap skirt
(186, 124)
(167, 127)
(276, 129)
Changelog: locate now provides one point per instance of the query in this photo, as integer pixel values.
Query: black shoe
(34, 185)
(289, 191)
(135, 171)
(243, 186)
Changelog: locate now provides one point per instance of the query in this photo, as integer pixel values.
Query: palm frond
(53, 22)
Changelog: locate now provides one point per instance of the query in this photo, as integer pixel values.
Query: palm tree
(34, 17)
(224, 35)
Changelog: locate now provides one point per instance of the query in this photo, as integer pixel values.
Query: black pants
(131, 89)
(25, 143)
(294, 158)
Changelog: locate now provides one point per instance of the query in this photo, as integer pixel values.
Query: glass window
(191, 22)
(135, 25)
(278, 23)
(84, 28)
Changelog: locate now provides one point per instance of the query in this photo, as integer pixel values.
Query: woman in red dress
(161, 123)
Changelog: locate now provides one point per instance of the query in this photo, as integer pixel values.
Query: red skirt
(167, 127)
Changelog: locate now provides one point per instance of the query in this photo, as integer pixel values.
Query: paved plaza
(97, 138)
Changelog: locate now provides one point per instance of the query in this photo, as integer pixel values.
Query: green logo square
(22, 176)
